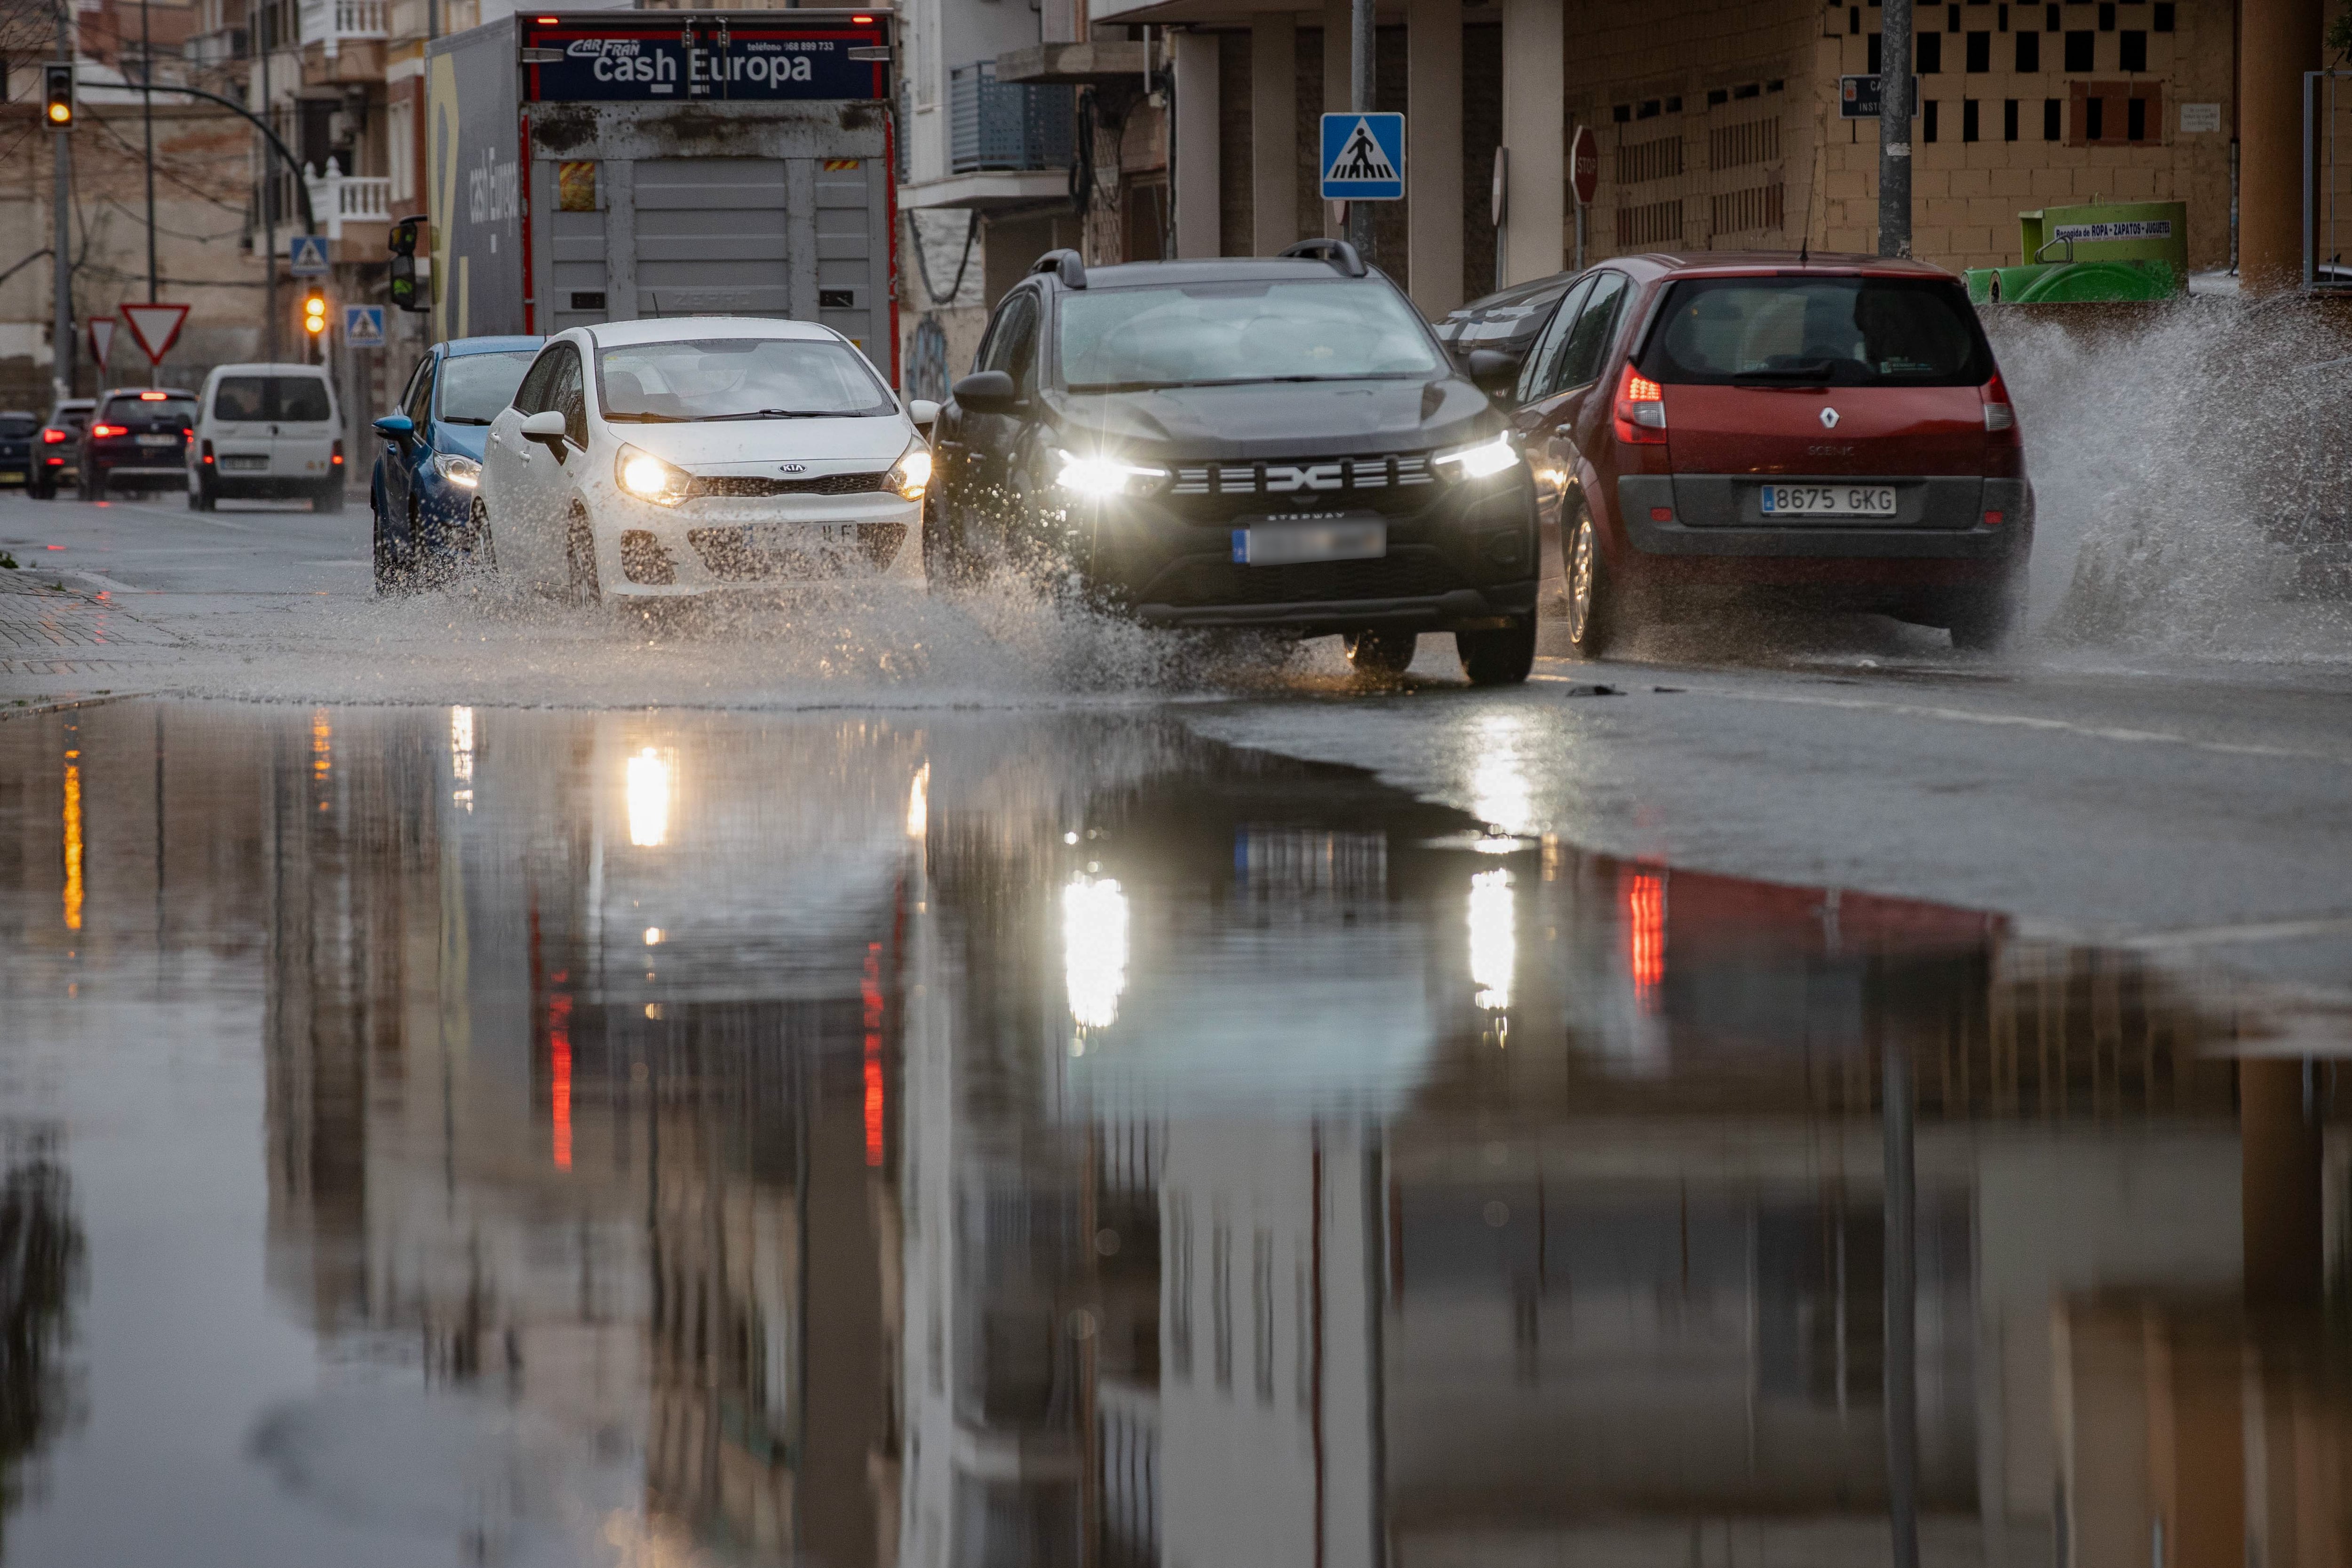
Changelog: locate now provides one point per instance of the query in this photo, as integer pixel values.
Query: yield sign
(101, 338)
(155, 328)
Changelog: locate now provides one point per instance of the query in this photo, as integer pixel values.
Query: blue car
(423, 489)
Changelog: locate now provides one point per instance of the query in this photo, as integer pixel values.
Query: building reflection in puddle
(960, 1141)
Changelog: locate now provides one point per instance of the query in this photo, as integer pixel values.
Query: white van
(267, 432)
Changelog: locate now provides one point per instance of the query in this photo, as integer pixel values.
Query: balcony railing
(1005, 125)
(331, 22)
(338, 198)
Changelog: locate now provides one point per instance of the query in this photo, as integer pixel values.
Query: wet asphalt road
(873, 1083)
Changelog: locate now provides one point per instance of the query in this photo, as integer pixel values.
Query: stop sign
(1584, 165)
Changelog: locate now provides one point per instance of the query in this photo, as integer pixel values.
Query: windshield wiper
(612, 418)
(1098, 388)
(773, 414)
(1815, 373)
(464, 419)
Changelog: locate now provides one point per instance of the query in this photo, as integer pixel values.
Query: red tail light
(1999, 413)
(208, 451)
(1641, 410)
(52, 436)
(101, 431)
(338, 459)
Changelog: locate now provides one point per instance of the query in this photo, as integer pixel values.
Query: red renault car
(1830, 430)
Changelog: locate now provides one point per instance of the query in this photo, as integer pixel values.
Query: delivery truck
(591, 166)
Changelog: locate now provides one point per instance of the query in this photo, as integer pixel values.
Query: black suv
(1277, 443)
(137, 439)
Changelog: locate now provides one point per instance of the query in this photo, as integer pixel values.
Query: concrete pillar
(1196, 176)
(1274, 133)
(1339, 83)
(1535, 127)
(1433, 153)
(2278, 41)
(2278, 1154)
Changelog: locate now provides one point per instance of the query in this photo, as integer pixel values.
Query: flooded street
(483, 1136)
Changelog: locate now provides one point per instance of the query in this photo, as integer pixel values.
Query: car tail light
(208, 451)
(1641, 409)
(101, 431)
(338, 459)
(52, 436)
(1999, 413)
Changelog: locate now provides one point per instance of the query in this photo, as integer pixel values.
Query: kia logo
(802, 467)
(1314, 477)
(1829, 419)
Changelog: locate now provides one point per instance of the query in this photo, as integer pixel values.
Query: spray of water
(2192, 478)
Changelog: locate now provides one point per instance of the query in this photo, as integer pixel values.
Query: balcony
(338, 198)
(1005, 126)
(330, 24)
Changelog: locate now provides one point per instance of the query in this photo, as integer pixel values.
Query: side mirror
(986, 392)
(397, 426)
(1494, 373)
(923, 412)
(546, 427)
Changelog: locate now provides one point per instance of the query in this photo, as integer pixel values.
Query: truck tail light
(338, 458)
(101, 431)
(1999, 413)
(1641, 410)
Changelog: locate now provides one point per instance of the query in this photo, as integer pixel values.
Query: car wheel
(330, 497)
(1501, 656)
(92, 484)
(1983, 619)
(948, 564)
(1591, 596)
(44, 492)
(1380, 652)
(480, 551)
(580, 562)
(391, 577)
(205, 499)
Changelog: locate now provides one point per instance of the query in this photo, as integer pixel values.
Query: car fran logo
(794, 467)
(1829, 419)
(1280, 477)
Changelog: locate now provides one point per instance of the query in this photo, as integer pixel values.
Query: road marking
(2230, 935)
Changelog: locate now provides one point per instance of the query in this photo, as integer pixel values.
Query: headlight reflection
(1494, 955)
(650, 785)
(1093, 950)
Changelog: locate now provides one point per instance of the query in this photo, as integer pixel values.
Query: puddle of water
(635, 1138)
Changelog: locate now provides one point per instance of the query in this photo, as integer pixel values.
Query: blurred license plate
(12, 475)
(799, 536)
(159, 441)
(245, 464)
(1287, 543)
(1828, 500)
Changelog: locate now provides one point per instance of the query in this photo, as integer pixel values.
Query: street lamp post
(1363, 53)
(61, 347)
(1895, 107)
(147, 114)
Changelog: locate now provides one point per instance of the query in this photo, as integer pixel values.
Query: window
(2094, 119)
(2051, 22)
(735, 378)
(2009, 119)
(1951, 18)
(288, 398)
(2107, 18)
(569, 398)
(400, 148)
(1588, 340)
(2052, 119)
(1016, 320)
(1928, 114)
(1543, 362)
(1967, 120)
(1813, 330)
(533, 396)
(2131, 51)
(1200, 334)
(2001, 19)
(416, 402)
(2080, 51)
(1875, 65)
(2164, 15)
(1979, 52)
(1852, 25)
(2029, 53)
(2135, 118)
(179, 410)
(1930, 53)
(475, 387)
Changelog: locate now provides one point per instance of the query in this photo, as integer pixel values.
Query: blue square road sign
(307, 254)
(1363, 158)
(364, 325)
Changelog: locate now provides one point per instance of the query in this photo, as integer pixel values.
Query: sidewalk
(47, 628)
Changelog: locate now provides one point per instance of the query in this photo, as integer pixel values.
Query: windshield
(16, 426)
(294, 399)
(737, 378)
(1823, 331)
(181, 410)
(475, 387)
(1214, 334)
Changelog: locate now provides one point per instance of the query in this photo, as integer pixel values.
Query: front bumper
(713, 544)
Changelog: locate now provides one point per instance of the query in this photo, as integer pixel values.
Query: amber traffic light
(57, 88)
(314, 313)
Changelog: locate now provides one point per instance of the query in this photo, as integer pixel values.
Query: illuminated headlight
(459, 470)
(1488, 457)
(648, 478)
(1101, 475)
(911, 475)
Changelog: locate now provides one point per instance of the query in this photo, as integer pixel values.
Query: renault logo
(1312, 476)
(796, 467)
(1829, 419)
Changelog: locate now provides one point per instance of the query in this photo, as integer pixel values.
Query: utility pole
(266, 36)
(147, 114)
(1363, 58)
(61, 354)
(1895, 107)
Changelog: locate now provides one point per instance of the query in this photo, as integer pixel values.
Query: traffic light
(57, 88)
(314, 312)
(406, 291)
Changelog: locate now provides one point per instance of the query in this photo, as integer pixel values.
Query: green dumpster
(2106, 251)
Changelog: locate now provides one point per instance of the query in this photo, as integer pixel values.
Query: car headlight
(648, 478)
(911, 475)
(457, 468)
(1103, 474)
(1484, 459)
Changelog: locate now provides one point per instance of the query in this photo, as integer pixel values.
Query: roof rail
(1338, 252)
(1068, 264)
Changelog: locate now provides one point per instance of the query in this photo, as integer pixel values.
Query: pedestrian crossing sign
(307, 256)
(1363, 157)
(364, 325)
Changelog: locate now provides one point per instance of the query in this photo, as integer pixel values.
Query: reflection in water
(1070, 1142)
(41, 1278)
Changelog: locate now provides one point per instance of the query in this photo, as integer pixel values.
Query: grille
(1413, 572)
(729, 555)
(643, 560)
(1305, 476)
(741, 485)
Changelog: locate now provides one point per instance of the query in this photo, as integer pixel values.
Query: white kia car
(683, 455)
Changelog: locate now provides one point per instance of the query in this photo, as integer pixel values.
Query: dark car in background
(422, 490)
(138, 439)
(1509, 321)
(1828, 431)
(58, 460)
(19, 433)
(1277, 443)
